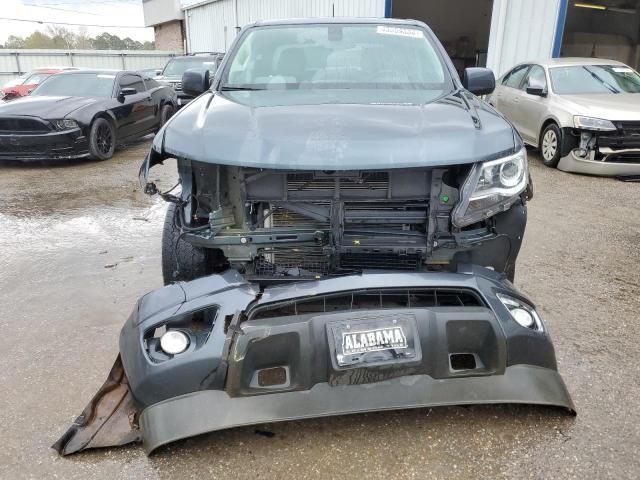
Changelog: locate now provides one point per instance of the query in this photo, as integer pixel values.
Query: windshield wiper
(595, 75)
(240, 88)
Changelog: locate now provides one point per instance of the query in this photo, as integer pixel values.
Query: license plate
(389, 338)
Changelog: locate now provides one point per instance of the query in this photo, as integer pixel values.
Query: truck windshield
(336, 56)
(585, 79)
(177, 66)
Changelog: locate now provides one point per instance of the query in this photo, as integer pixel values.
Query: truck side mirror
(479, 81)
(194, 82)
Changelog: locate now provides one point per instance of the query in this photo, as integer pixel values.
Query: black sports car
(82, 114)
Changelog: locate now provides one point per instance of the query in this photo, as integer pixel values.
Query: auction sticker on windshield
(622, 69)
(399, 31)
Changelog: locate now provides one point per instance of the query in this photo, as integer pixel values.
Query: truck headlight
(65, 124)
(491, 187)
(590, 123)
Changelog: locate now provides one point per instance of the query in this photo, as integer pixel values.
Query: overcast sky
(123, 13)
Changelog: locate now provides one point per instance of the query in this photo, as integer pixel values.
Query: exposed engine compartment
(621, 145)
(273, 224)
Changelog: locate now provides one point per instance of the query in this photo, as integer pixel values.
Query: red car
(30, 82)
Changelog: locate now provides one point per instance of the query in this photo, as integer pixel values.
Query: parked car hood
(45, 107)
(609, 106)
(261, 130)
(13, 83)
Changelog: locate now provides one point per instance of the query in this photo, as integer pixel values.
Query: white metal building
(495, 33)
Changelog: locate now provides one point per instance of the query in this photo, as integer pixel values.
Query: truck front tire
(181, 261)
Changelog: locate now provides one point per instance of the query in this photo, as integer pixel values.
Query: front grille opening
(342, 186)
(383, 261)
(627, 157)
(301, 261)
(281, 217)
(462, 361)
(22, 125)
(369, 300)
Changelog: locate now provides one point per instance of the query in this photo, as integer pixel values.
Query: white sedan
(582, 113)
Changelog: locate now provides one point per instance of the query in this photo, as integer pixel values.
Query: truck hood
(608, 106)
(44, 106)
(304, 130)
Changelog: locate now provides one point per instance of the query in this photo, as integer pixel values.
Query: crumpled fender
(110, 418)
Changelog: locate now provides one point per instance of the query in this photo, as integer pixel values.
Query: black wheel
(181, 261)
(102, 139)
(551, 145)
(166, 112)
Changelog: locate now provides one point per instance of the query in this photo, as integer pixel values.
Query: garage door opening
(604, 29)
(461, 25)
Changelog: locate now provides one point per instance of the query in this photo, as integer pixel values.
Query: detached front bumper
(276, 355)
(605, 168)
(65, 145)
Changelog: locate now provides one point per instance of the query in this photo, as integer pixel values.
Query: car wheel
(166, 113)
(551, 145)
(102, 139)
(181, 261)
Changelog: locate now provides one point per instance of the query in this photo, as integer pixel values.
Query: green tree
(130, 44)
(83, 40)
(38, 40)
(13, 41)
(106, 41)
(61, 37)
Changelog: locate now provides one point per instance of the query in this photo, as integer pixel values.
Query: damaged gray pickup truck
(343, 240)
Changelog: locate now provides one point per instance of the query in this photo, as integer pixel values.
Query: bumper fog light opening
(174, 342)
(522, 313)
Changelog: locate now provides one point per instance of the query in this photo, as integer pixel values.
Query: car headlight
(590, 123)
(65, 124)
(491, 187)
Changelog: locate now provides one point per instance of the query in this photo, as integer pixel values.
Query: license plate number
(374, 340)
(390, 338)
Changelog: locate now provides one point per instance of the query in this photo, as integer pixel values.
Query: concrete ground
(81, 242)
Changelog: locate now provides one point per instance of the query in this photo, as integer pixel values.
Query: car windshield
(36, 78)
(77, 85)
(585, 79)
(337, 56)
(177, 66)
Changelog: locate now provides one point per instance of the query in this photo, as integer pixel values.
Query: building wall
(161, 11)
(169, 36)
(521, 30)
(212, 26)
